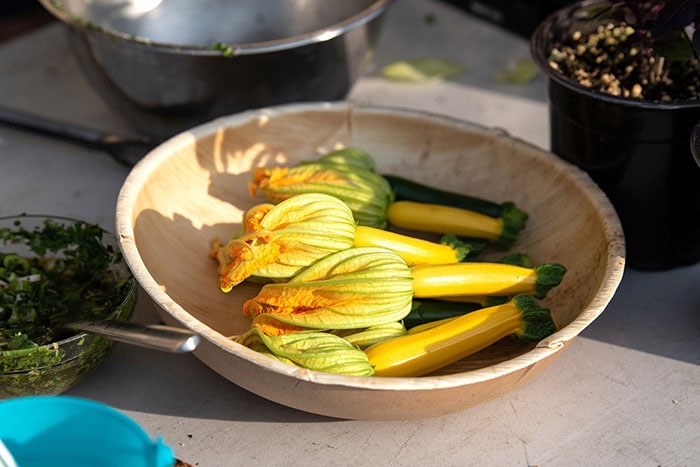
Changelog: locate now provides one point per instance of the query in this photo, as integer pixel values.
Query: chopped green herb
(225, 49)
(68, 277)
(55, 273)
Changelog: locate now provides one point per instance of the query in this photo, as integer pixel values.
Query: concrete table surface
(626, 392)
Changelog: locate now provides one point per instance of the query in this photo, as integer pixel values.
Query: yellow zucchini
(460, 279)
(420, 353)
(412, 250)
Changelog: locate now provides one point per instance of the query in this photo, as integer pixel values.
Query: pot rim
(538, 46)
(376, 9)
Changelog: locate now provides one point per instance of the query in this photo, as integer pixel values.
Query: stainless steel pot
(168, 65)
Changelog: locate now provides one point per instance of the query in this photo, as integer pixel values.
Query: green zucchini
(513, 218)
(425, 311)
(409, 190)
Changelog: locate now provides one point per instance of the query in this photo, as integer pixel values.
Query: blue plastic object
(64, 430)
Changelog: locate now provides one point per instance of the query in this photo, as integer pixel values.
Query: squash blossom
(314, 350)
(364, 338)
(368, 286)
(278, 241)
(382, 200)
(354, 288)
(348, 175)
(351, 156)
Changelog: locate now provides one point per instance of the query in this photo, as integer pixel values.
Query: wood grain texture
(194, 188)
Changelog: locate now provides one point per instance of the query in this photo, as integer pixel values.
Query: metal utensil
(125, 150)
(152, 336)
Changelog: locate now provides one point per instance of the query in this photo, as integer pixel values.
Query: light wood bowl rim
(614, 256)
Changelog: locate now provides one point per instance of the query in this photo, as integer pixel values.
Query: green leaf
(422, 69)
(519, 72)
(679, 48)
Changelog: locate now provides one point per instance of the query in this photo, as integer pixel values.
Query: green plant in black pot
(624, 79)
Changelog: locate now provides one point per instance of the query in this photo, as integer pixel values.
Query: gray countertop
(626, 392)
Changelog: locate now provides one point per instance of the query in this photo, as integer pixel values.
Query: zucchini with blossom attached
(420, 353)
(350, 176)
(362, 287)
(278, 241)
(363, 292)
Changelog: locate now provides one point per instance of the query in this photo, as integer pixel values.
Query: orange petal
(272, 327)
(254, 215)
(238, 260)
(286, 298)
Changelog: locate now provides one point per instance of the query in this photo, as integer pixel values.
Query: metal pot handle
(695, 143)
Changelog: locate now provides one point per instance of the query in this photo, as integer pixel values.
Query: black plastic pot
(638, 152)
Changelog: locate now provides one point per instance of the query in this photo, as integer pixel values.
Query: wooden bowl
(194, 187)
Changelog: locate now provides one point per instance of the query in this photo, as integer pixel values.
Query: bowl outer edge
(613, 270)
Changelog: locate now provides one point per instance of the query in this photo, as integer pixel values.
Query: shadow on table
(656, 313)
(142, 380)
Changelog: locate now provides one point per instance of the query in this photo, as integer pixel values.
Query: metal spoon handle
(152, 336)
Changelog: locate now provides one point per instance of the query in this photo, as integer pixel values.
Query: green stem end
(514, 221)
(549, 275)
(537, 321)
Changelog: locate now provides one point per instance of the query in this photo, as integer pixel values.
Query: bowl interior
(208, 22)
(194, 188)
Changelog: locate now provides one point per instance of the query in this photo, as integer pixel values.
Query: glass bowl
(54, 367)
